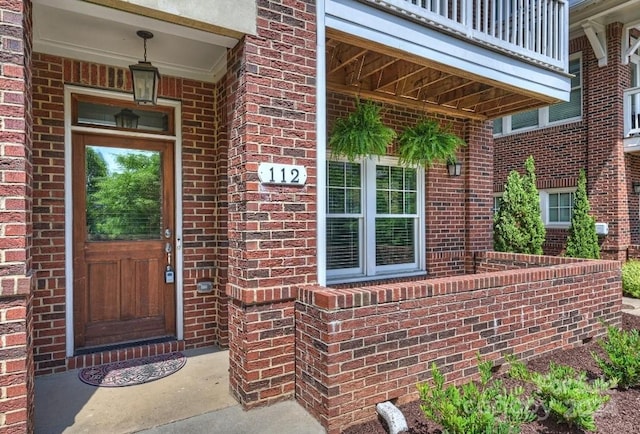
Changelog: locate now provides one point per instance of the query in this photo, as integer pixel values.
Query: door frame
(68, 199)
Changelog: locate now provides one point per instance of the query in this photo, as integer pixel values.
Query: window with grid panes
(374, 221)
(560, 207)
(558, 113)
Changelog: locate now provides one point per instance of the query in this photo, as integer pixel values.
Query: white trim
(543, 112)
(597, 36)
(68, 199)
(369, 270)
(628, 48)
(379, 26)
(321, 144)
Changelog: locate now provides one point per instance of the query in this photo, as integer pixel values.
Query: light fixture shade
(145, 78)
(126, 118)
(636, 187)
(454, 168)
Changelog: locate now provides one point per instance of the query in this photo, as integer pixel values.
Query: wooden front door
(123, 226)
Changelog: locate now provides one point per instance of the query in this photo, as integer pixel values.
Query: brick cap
(542, 268)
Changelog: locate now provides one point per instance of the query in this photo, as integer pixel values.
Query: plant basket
(427, 143)
(361, 133)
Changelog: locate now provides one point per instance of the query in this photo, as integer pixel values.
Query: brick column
(478, 172)
(272, 229)
(16, 351)
(607, 183)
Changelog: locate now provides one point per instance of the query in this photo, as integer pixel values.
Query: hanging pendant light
(145, 76)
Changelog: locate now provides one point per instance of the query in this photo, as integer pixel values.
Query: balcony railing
(632, 112)
(534, 30)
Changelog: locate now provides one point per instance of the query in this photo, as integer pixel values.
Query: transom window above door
(89, 111)
(375, 219)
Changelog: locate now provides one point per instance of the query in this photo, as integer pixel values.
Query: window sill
(375, 280)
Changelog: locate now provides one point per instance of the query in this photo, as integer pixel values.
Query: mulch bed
(620, 415)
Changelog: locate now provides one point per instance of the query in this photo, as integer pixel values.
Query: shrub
(566, 394)
(623, 350)
(475, 408)
(582, 241)
(518, 225)
(631, 278)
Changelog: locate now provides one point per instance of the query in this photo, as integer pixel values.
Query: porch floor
(195, 399)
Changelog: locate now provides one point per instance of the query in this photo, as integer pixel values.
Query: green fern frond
(361, 134)
(427, 143)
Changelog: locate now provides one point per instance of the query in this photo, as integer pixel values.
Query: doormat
(135, 371)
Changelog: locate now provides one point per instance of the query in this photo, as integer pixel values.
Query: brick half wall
(356, 347)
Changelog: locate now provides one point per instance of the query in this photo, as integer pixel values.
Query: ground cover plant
(622, 361)
(475, 408)
(631, 278)
(619, 415)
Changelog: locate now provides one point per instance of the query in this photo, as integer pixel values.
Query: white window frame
(495, 206)
(543, 112)
(369, 270)
(544, 207)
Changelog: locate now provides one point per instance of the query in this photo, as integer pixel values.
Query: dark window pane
(343, 243)
(395, 241)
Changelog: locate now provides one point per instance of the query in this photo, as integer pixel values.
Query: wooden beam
(418, 60)
(345, 55)
(403, 102)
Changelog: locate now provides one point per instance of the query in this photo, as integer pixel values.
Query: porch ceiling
(94, 33)
(374, 71)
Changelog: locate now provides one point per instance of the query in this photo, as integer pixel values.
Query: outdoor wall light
(145, 76)
(636, 187)
(454, 168)
(126, 118)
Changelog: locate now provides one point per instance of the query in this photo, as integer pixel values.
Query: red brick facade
(258, 244)
(16, 267)
(593, 143)
(204, 205)
(272, 230)
(361, 346)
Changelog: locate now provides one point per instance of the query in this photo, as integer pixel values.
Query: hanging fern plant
(361, 134)
(427, 143)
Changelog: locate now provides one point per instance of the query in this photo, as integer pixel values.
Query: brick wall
(455, 224)
(593, 143)
(204, 204)
(360, 346)
(272, 229)
(16, 269)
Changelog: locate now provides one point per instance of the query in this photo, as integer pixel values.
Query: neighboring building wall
(204, 207)
(272, 229)
(361, 346)
(16, 266)
(608, 186)
(594, 143)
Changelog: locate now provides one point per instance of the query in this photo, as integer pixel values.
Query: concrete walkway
(631, 305)
(195, 399)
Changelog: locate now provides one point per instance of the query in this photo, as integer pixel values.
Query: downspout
(321, 150)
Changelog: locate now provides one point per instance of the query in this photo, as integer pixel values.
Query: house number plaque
(282, 174)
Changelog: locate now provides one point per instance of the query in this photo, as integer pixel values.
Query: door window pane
(113, 115)
(123, 194)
